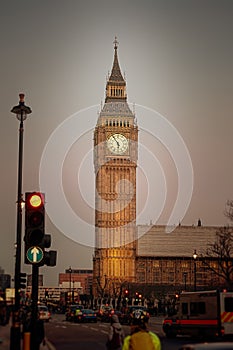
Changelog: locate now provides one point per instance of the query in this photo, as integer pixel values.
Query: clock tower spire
(115, 162)
(116, 85)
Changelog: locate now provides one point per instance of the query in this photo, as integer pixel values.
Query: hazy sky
(178, 59)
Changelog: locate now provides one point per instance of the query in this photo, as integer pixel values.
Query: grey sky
(178, 58)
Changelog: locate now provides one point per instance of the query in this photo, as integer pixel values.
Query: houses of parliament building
(124, 255)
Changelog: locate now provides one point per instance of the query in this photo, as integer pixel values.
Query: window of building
(214, 264)
(156, 276)
(141, 277)
(171, 276)
(170, 263)
(141, 264)
(184, 264)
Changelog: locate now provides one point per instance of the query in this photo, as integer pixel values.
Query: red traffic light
(34, 223)
(35, 200)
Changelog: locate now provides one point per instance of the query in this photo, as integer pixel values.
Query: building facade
(115, 162)
(79, 280)
(5, 281)
(126, 254)
(168, 259)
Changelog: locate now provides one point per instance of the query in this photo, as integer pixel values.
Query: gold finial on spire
(115, 42)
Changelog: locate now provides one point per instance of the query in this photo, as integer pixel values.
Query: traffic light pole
(34, 315)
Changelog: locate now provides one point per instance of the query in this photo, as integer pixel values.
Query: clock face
(117, 144)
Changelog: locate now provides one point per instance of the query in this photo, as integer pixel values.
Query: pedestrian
(115, 335)
(140, 338)
(3, 313)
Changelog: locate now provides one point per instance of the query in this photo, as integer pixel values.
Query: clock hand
(118, 145)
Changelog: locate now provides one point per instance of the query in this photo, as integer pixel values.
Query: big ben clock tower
(115, 161)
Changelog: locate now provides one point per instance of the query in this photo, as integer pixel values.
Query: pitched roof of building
(181, 242)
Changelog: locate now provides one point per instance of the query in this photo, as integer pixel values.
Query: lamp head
(195, 254)
(21, 110)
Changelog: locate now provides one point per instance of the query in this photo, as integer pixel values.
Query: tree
(229, 210)
(221, 252)
(101, 288)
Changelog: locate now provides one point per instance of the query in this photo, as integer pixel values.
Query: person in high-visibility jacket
(140, 337)
(78, 313)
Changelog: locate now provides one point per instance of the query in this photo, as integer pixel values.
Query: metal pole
(70, 290)
(15, 337)
(19, 217)
(73, 292)
(34, 315)
(15, 329)
(195, 270)
(195, 276)
(185, 280)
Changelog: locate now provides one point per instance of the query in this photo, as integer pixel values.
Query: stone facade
(125, 253)
(115, 162)
(73, 277)
(167, 258)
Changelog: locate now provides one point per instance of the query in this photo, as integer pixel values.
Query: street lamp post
(185, 279)
(73, 290)
(195, 269)
(21, 112)
(70, 272)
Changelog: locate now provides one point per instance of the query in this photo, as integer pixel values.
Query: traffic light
(125, 298)
(50, 257)
(23, 280)
(34, 227)
(35, 238)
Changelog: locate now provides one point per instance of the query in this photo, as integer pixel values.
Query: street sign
(35, 255)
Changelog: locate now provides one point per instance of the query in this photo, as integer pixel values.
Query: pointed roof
(116, 105)
(116, 85)
(116, 71)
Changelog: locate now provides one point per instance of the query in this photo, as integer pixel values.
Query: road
(92, 336)
(72, 336)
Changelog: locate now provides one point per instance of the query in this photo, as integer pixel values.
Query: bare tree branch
(219, 255)
(229, 210)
